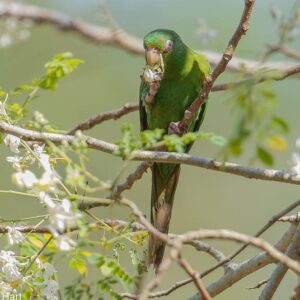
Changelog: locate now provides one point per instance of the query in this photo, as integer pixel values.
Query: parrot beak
(153, 56)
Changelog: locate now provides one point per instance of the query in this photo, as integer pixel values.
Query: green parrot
(171, 81)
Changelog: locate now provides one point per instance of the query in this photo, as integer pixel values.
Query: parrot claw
(154, 86)
(177, 128)
(174, 128)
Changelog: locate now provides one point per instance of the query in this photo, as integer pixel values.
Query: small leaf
(277, 142)
(106, 269)
(280, 124)
(265, 156)
(217, 140)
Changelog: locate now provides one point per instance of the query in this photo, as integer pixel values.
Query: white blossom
(296, 163)
(49, 286)
(38, 149)
(5, 40)
(45, 162)
(13, 142)
(204, 32)
(9, 266)
(51, 289)
(2, 108)
(46, 199)
(64, 243)
(5, 288)
(49, 270)
(14, 236)
(15, 160)
(39, 117)
(46, 271)
(62, 217)
(25, 179)
(48, 180)
(11, 272)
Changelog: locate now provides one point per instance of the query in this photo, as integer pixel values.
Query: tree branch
(121, 39)
(131, 107)
(228, 259)
(219, 69)
(224, 234)
(156, 156)
(131, 179)
(249, 266)
(110, 115)
(281, 269)
(229, 278)
(277, 77)
(283, 49)
(195, 276)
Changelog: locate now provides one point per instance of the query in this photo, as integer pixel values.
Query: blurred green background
(110, 78)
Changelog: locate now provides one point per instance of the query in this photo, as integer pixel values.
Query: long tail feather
(162, 197)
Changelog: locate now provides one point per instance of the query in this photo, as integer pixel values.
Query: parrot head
(160, 46)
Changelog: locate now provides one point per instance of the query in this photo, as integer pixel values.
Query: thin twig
(196, 278)
(258, 285)
(277, 77)
(131, 179)
(163, 267)
(283, 49)
(296, 292)
(290, 219)
(110, 115)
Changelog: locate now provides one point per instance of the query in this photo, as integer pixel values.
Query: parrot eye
(155, 50)
(169, 45)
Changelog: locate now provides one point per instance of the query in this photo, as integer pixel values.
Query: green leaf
(217, 140)
(24, 87)
(174, 143)
(15, 111)
(2, 135)
(264, 156)
(235, 147)
(150, 137)
(128, 143)
(78, 264)
(60, 66)
(106, 269)
(277, 142)
(96, 259)
(2, 93)
(279, 124)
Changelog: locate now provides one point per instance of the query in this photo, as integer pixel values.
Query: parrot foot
(175, 128)
(154, 86)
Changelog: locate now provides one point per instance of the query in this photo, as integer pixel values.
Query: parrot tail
(162, 197)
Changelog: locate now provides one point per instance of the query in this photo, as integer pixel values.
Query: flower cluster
(62, 217)
(44, 280)
(10, 274)
(13, 31)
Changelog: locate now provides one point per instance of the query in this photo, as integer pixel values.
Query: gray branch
(118, 38)
(249, 266)
(156, 156)
(281, 269)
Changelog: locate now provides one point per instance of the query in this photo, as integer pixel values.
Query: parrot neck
(178, 64)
